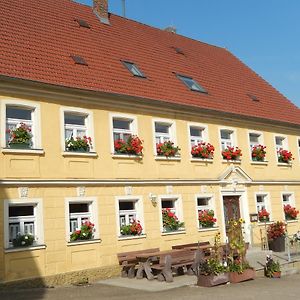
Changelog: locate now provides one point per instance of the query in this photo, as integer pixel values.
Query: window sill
(225, 161)
(23, 151)
(21, 249)
(173, 232)
(208, 229)
(131, 237)
(174, 158)
(205, 160)
(284, 164)
(86, 154)
(84, 242)
(261, 163)
(127, 156)
(264, 223)
(292, 221)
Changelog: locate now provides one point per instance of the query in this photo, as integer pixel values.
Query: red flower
(231, 153)
(203, 150)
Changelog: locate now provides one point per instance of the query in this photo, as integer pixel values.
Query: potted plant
(170, 221)
(284, 156)
(203, 150)
(290, 212)
(132, 146)
(239, 269)
(263, 215)
(85, 232)
(134, 228)
(231, 153)
(23, 240)
(167, 149)
(206, 218)
(213, 271)
(258, 153)
(79, 144)
(272, 269)
(276, 236)
(20, 137)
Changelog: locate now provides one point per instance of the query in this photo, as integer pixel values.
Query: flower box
(20, 137)
(212, 280)
(203, 150)
(19, 146)
(78, 144)
(132, 146)
(284, 156)
(231, 153)
(278, 244)
(258, 153)
(167, 149)
(235, 277)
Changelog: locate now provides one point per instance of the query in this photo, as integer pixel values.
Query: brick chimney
(100, 8)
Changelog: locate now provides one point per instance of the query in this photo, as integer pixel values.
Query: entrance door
(231, 209)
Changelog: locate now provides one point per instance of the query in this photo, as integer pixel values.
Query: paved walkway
(286, 288)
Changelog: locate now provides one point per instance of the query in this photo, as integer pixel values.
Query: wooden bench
(128, 261)
(177, 260)
(205, 246)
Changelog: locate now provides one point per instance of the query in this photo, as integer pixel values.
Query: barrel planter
(278, 244)
(235, 277)
(212, 280)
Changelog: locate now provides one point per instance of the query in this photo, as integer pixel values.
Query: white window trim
(267, 203)
(39, 218)
(260, 140)
(204, 128)
(172, 125)
(94, 214)
(233, 135)
(178, 207)
(90, 125)
(36, 120)
(211, 206)
(285, 144)
(139, 210)
(292, 201)
(128, 117)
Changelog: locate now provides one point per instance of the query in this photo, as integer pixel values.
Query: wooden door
(231, 208)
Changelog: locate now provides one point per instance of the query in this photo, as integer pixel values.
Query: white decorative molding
(128, 190)
(81, 191)
(23, 192)
(169, 189)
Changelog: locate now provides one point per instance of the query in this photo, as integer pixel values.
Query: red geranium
(290, 212)
(167, 149)
(133, 145)
(231, 153)
(284, 156)
(206, 218)
(203, 150)
(263, 215)
(258, 152)
(276, 230)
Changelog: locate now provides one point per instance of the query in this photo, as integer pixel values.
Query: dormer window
(191, 84)
(133, 69)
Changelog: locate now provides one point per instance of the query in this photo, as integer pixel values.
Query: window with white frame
(262, 207)
(205, 206)
(171, 210)
(75, 125)
(24, 224)
(130, 212)
(226, 138)
(254, 139)
(287, 198)
(81, 210)
(280, 142)
(123, 128)
(196, 135)
(163, 132)
(289, 210)
(17, 115)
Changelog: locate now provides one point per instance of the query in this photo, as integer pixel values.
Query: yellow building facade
(107, 188)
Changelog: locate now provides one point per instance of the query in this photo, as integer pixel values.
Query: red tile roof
(39, 37)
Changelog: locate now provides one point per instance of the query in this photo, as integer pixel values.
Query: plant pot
(262, 220)
(19, 146)
(278, 244)
(80, 150)
(276, 275)
(289, 218)
(235, 277)
(212, 280)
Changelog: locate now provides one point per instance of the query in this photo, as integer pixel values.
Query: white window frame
(178, 208)
(172, 131)
(212, 205)
(93, 211)
(35, 120)
(233, 138)
(133, 126)
(260, 140)
(285, 145)
(38, 219)
(203, 128)
(89, 124)
(267, 203)
(139, 209)
(291, 200)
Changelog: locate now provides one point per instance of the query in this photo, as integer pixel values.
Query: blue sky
(264, 34)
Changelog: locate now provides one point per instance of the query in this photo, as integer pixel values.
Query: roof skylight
(83, 23)
(253, 97)
(133, 69)
(191, 83)
(79, 60)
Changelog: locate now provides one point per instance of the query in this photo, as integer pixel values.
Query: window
(172, 205)
(75, 125)
(79, 210)
(287, 198)
(162, 132)
(196, 135)
(23, 218)
(122, 128)
(15, 116)
(133, 69)
(254, 139)
(226, 138)
(191, 84)
(280, 142)
(129, 210)
(205, 203)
